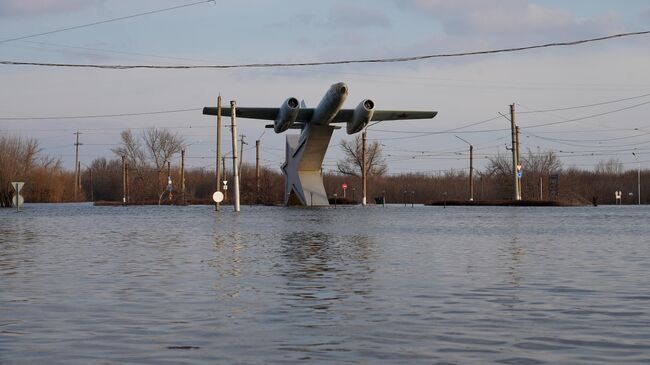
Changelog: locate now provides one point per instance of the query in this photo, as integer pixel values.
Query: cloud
(509, 19)
(350, 16)
(39, 7)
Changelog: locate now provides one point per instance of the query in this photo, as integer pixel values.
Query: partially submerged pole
(364, 176)
(515, 158)
(216, 207)
(235, 167)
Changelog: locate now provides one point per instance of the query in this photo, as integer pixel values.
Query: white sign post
(18, 199)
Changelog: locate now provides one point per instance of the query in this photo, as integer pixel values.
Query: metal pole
(225, 178)
(183, 176)
(471, 169)
(519, 189)
(514, 152)
(241, 155)
(216, 207)
(76, 165)
(257, 171)
(471, 173)
(126, 183)
(123, 180)
(233, 113)
(363, 169)
(638, 176)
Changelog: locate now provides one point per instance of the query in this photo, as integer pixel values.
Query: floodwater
(355, 285)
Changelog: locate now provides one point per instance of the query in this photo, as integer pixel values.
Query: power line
(320, 63)
(583, 106)
(104, 115)
(587, 117)
(104, 21)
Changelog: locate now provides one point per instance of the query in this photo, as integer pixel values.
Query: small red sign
(344, 186)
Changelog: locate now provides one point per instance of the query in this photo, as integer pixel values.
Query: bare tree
(161, 145)
(352, 163)
(544, 163)
(131, 148)
(613, 166)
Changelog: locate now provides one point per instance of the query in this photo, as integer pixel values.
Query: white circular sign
(217, 197)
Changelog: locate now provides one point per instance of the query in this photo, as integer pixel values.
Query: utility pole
(216, 207)
(471, 169)
(518, 162)
(257, 171)
(364, 169)
(541, 191)
(183, 176)
(638, 176)
(241, 154)
(123, 179)
(126, 183)
(92, 190)
(233, 116)
(76, 165)
(515, 158)
(78, 182)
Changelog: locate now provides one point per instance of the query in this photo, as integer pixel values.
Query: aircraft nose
(342, 88)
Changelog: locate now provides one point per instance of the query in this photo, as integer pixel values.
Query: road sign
(217, 197)
(344, 186)
(17, 185)
(519, 174)
(21, 200)
(518, 167)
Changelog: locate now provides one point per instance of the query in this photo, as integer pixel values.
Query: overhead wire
(315, 63)
(105, 21)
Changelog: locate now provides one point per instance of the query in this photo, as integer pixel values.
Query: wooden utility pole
(515, 158)
(92, 190)
(78, 182)
(76, 165)
(541, 194)
(257, 171)
(183, 176)
(364, 169)
(216, 207)
(123, 179)
(235, 178)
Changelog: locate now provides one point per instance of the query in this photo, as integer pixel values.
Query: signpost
(618, 195)
(18, 199)
(344, 186)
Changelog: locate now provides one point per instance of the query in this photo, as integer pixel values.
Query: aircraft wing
(304, 115)
(345, 115)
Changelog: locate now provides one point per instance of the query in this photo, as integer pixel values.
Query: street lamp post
(471, 169)
(638, 176)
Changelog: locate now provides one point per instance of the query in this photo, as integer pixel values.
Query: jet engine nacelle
(362, 115)
(286, 115)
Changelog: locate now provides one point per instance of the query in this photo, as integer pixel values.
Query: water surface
(360, 285)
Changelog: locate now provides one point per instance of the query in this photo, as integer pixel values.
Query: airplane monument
(305, 151)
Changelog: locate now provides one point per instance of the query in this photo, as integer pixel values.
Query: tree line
(152, 157)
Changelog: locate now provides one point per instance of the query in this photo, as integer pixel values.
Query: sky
(464, 90)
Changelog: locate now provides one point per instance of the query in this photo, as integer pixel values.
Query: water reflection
(322, 269)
